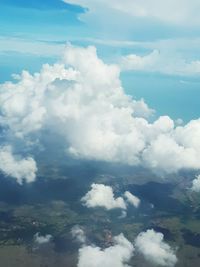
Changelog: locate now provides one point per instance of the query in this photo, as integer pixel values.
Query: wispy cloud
(30, 46)
(172, 12)
(165, 63)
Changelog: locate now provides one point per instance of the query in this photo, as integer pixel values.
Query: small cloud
(152, 206)
(152, 246)
(102, 195)
(123, 214)
(17, 167)
(179, 122)
(135, 62)
(39, 239)
(78, 234)
(131, 199)
(196, 184)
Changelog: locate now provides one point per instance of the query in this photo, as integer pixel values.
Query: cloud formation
(196, 184)
(117, 255)
(150, 244)
(78, 234)
(40, 239)
(172, 12)
(165, 63)
(30, 47)
(17, 167)
(131, 199)
(154, 249)
(102, 196)
(81, 102)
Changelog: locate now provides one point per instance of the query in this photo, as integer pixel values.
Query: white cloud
(175, 56)
(23, 107)
(154, 249)
(123, 214)
(117, 255)
(30, 46)
(133, 200)
(196, 184)
(135, 62)
(173, 12)
(39, 239)
(78, 234)
(15, 166)
(82, 101)
(175, 150)
(161, 62)
(102, 196)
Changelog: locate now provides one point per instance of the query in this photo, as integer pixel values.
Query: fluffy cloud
(23, 107)
(15, 166)
(39, 239)
(196, 184)
(154, 249)
(160, 62)
(102, 196)
(149, 243)
(117, 255)
(176, 150)
(78, 234)
(81, 102)
(133, 200)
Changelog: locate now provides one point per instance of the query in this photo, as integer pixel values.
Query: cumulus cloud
(102, 196)
(154, 249)
(17, 167)
(78, 234)
(40, 239)
(82, 102)
(179, 149)
(196, 184)
(133, 200)
(117, 255)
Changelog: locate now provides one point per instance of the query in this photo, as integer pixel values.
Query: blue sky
(34, 32)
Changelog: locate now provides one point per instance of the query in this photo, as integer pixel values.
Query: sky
(156, 44)
(100, 81)
(113, 82)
